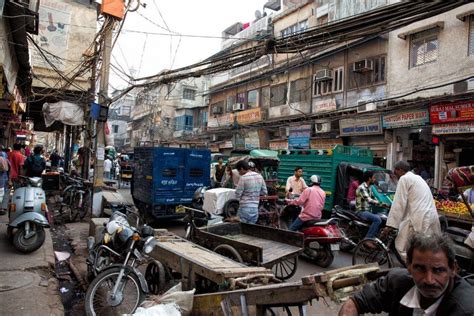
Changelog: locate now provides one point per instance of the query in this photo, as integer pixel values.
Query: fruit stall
(459, 212)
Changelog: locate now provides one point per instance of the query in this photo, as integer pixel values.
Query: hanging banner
(325, 143)
(360, 126)
(405, 119)
(299, 137)
(452, 112)
(453, 128)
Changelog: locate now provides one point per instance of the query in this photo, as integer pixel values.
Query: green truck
(337, 167)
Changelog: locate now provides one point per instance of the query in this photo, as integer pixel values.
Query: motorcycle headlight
(149, 244)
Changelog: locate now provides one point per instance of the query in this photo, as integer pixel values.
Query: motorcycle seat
(318, 222)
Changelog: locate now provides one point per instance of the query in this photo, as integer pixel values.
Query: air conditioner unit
(284, 132)
(217, 110)
(323, 75)
(363, 106)
(238, 107)
(322, 127)
(363, 65)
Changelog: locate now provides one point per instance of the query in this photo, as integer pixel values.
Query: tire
(325, 257)
(229, 252)
(230, 208)
(285, 269)
(364, 254)
(103, 283)
(31, 244)
(155, 277)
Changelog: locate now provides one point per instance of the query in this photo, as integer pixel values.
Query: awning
(406, 34)
(464, 15)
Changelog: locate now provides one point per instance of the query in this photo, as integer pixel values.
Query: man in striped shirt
(251, 186)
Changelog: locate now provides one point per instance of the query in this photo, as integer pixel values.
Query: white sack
(65, 112)
(214, 199)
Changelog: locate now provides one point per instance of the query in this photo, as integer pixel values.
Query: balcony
(258, 29)
(27, 12)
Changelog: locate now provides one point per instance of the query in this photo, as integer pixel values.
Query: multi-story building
(119, 118)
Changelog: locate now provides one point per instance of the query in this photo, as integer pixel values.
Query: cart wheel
(155, 277)
(229, 252)
(285, 269)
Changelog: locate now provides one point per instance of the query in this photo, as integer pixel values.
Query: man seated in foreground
(429, 286)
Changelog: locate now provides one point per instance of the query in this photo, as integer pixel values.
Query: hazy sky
(146, 47)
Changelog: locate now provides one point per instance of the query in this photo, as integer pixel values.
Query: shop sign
(405, 119)
(249, 116)
(214, 148)
(226, 144)
(324, 143)
(221, 121)
(325, 106)
(239, 141)
(299, 137)
(452, 112)
(278, 144)
(252, 140)
(453, 128)
(360, 126)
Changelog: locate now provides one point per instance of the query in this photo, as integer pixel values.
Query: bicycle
(379, 250)
(75, 199)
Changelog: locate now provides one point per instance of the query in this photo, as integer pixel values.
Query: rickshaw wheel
(286, 268)
(155, 277)
(229, 252)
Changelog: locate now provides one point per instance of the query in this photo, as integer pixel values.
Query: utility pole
(103, 93)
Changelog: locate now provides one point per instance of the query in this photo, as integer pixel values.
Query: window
(169, 173)
(370, 77)
(471, 35)
(125, 110)
(278, 94)
(196, 172)
(322, 87)
(252, 99)
(204, 118)
(189, 94)
(338, 79)
(184, 122)
(115, 129)
(240, 97)
(230, 102)
(217, 108)
(424, 47)
(295, 28)
(299, 90)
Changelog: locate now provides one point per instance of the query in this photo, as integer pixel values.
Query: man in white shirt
(107, 168)
(296, 183)
(413, 208)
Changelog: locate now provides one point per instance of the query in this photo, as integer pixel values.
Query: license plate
(180, 209)
(334, 247)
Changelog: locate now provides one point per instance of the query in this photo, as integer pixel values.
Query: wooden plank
(279, 235)
(324, 276)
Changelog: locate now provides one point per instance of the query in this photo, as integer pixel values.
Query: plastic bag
(174, 296)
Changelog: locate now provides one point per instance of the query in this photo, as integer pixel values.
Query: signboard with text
(325, 106)
(452, 112)
(249, 116)
(406, 119)
(453, 128)
(278, 144)
(299, 137)
(360, 126)
(325, 143)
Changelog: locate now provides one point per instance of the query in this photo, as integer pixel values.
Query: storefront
(408, 138)
(365, 131)
(453, 131)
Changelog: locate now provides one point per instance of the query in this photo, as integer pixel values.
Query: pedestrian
(227, 179)
(312, 199)
(35, 164)
(16, 159)
(413, 208)
(251, 185)
(429, 286)
(295, 183)
(219, 171)
(107, 167)
(364, 202)
(4, 168)
(351, 192)
(54, 158)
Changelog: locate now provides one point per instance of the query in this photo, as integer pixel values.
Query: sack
(36, 164)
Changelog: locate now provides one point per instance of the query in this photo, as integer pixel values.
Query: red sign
(452, 112)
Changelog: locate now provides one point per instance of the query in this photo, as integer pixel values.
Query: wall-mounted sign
(226, 145)
(405, 119)
(325, 106)
(252, 140)
(221, 121)
(360, 126)
(453, 128)
(249, 116)
(452, 112)
(325, 143)
(278, 144)
(299, 137)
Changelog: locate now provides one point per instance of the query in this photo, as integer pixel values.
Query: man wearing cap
(312, 200)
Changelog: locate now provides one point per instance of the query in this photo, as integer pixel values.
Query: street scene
(259, 157)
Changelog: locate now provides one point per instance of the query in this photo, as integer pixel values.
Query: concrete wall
(7, 56)
(453, 59)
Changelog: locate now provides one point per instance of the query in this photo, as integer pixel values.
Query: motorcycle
(119, 287)
(28, 216)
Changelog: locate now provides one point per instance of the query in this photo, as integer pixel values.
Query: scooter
(463, 246)
(28, 214)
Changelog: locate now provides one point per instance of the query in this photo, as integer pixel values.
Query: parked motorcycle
(28, 215)
(119, 288)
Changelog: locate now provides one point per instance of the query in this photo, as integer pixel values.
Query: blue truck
(164, 178)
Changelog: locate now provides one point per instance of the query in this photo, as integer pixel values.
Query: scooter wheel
(31, 244)
(325, 257)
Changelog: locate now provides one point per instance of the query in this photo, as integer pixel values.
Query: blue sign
(299, 137)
